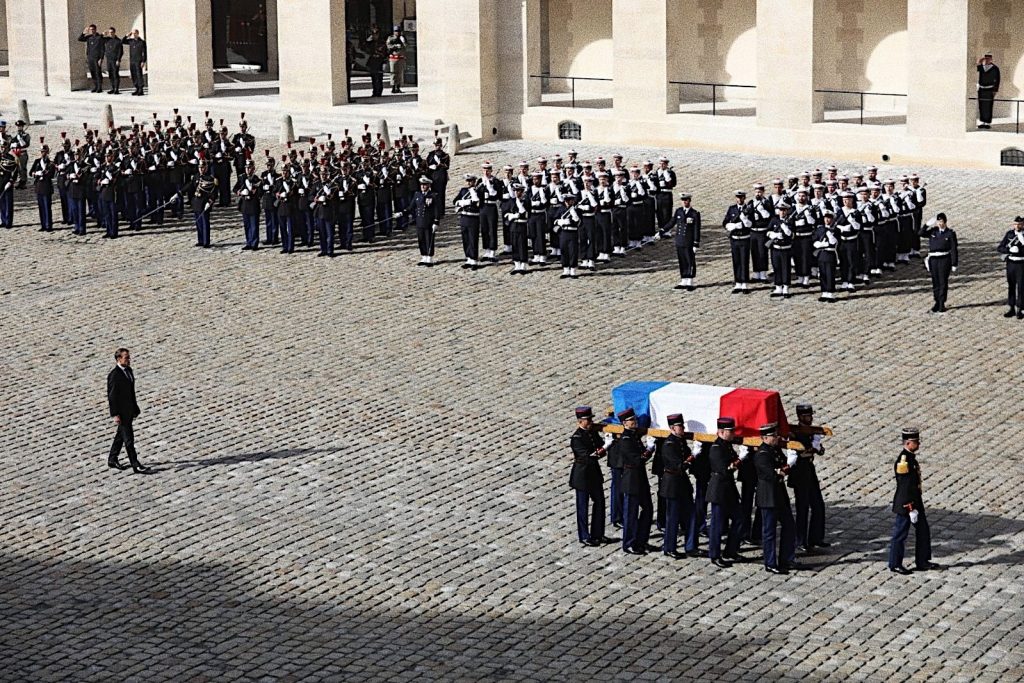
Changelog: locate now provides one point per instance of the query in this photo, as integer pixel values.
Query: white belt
(1015, 258)
(777, 246)
(742, 237)
(938, 253)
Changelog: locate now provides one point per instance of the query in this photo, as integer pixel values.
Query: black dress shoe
(590, 543)
(734, 557)
(928, 566)
(1010, 313)
(719, 562)
(793, 566)
(900, 570)
(634, 551)
(1020, 316)
(605, 539)
(697, 553)
(141, 469)
(821, 544)
(775, 570)
(116, 465)
(674, 554)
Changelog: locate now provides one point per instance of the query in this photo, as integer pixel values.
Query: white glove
(361, 186)
(608, 439)
(743, 452)
(649, 442)
(914, 514)
(510, 217)
(791, 458)
(696, 249)
(695, 448)
(433, 228)
(657, 236)
(954, 270)
(816, 441)
(1014, 249)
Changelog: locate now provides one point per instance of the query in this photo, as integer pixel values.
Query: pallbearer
(675, 487)
(586, 477)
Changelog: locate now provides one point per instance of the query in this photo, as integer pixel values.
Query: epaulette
(903, 467)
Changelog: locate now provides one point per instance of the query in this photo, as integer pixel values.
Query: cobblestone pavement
(362, 465)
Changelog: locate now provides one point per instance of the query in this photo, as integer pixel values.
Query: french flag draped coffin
(701, 405)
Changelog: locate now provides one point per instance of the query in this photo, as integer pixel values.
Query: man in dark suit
(94, 55)
(124, 409)
(113, 50)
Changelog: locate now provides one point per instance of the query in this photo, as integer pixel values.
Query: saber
(384, 220)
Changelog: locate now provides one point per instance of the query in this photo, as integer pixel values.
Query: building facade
(878, 79)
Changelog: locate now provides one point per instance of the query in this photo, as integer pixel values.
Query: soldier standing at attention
(396, 58)
(426, 213)
(586, 477)
(738, 224)
(438, 163)
(248, 190)
(686, 222)
(942, 258)
(202, 203)
(988, 86)
(93, 55)
(468, 203)
(908, 505)
(1012, 249)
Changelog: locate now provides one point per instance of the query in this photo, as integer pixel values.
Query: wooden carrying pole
(750, 441)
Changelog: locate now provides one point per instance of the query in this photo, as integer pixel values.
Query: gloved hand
(608, 439)
(695, 449)
(696, 249)
(1014, 249)
(914, 514)
(954, 270)
(433, 228)
(742, 452)
(649, 442)
(790, 458)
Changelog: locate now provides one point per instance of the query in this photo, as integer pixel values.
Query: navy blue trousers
(270, 215)
(787, 544)
(810, 514)
(591, 502)
(698, 515)
(202, 228)
(45, 203)
(7, 208)
(345, 224)
(325, 228)
(615, 507)
(722, 514)
(108, 217)
(287, 234)
(636, 520)
(76, 210)
(922, 540)
(251, 223)
(675, 510)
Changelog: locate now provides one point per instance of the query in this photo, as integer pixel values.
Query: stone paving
(362, 465)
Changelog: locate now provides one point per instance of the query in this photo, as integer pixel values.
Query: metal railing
(572, 82)
(714, 90)
(997, 99)
(863, 94)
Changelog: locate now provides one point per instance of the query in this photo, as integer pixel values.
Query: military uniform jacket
(848, 223)
(763, 209)
(780, 233)
(586, 469)
(425, 210)
(107, 181)
(324, 197)
(77, 178)
(136, 50)
(908, 484)
(942, 242)
(686, 223)
(121, 393)
(249, 191)
(988, 79)
(9, 172)
(771, 490)
(268, 179)
(42, 176)
(1012, 245)
(113, 49)
(437, 163)
(634, 465)
(722, 485)
(804, 219)
(468, 203)
(93, 46)
(675, 482)
(737, 222)
(803, 473)
(202, 195)
(665, 180)
(285, 192)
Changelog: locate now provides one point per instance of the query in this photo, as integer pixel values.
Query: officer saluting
(942, 258)
(426, 211)
(1012, 249)
(675, 487)
(908, 504)
(586, 477)
(686, 222)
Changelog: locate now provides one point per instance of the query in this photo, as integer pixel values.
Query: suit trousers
(425, 238)
(45, 203)
(325, 230)
(940, 267)
(96, 74)
(636, 520)
(594, 527)
(125, 437)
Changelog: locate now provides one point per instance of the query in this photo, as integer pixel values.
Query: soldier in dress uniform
(722, 494)
(248, 190)
(636, 210)
(942, 258)
(586, 478)
(638, 509)
(8, 179)
(675, 487)
(848, 225)
(438, 163)
(324, 198)
(243, 145)
(492, 191)
(268, 180)
(538, 221)
(20, 143)
(587, 208)
(107, 185)
(78, 175)
(686, 223)
(568, 225)
(1012, 249)
(803, 479)
(737, 224)
(804, 219)
(988, 87)
(826, 250)
(908, 505)
(780, 243)
(763, 210)
(42, 173)
(666, 183)
(468, 203)
(773, 502)
(517, 215)
(203, 196)
(285, 193)
(426, 212)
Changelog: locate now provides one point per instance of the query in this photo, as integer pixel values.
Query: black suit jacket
(121, 394)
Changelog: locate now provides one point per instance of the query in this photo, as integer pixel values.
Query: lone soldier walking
(908, 505)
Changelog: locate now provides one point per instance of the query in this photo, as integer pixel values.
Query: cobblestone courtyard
(362, 466)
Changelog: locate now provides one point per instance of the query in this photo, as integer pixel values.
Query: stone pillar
(640, 57)
(180, 49)
(26, 48)
(457, 63)
(531, 26)
(273, 69)
(311, 50)
(937, 103)
(785, 63)
(45, 55)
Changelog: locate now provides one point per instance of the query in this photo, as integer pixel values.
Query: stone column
(180, 49)
(531, 26)
(45, 55)
(26, 48)
(937, 103)
(272, 53)
(640, 56)
(785, 64)
(311, 50)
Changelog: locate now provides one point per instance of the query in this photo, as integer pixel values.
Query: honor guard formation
(843, 231)
(693, 476)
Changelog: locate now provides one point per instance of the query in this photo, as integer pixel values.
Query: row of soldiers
(764, 475)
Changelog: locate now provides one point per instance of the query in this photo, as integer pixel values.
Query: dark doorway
(360, 15)
(240, 33)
